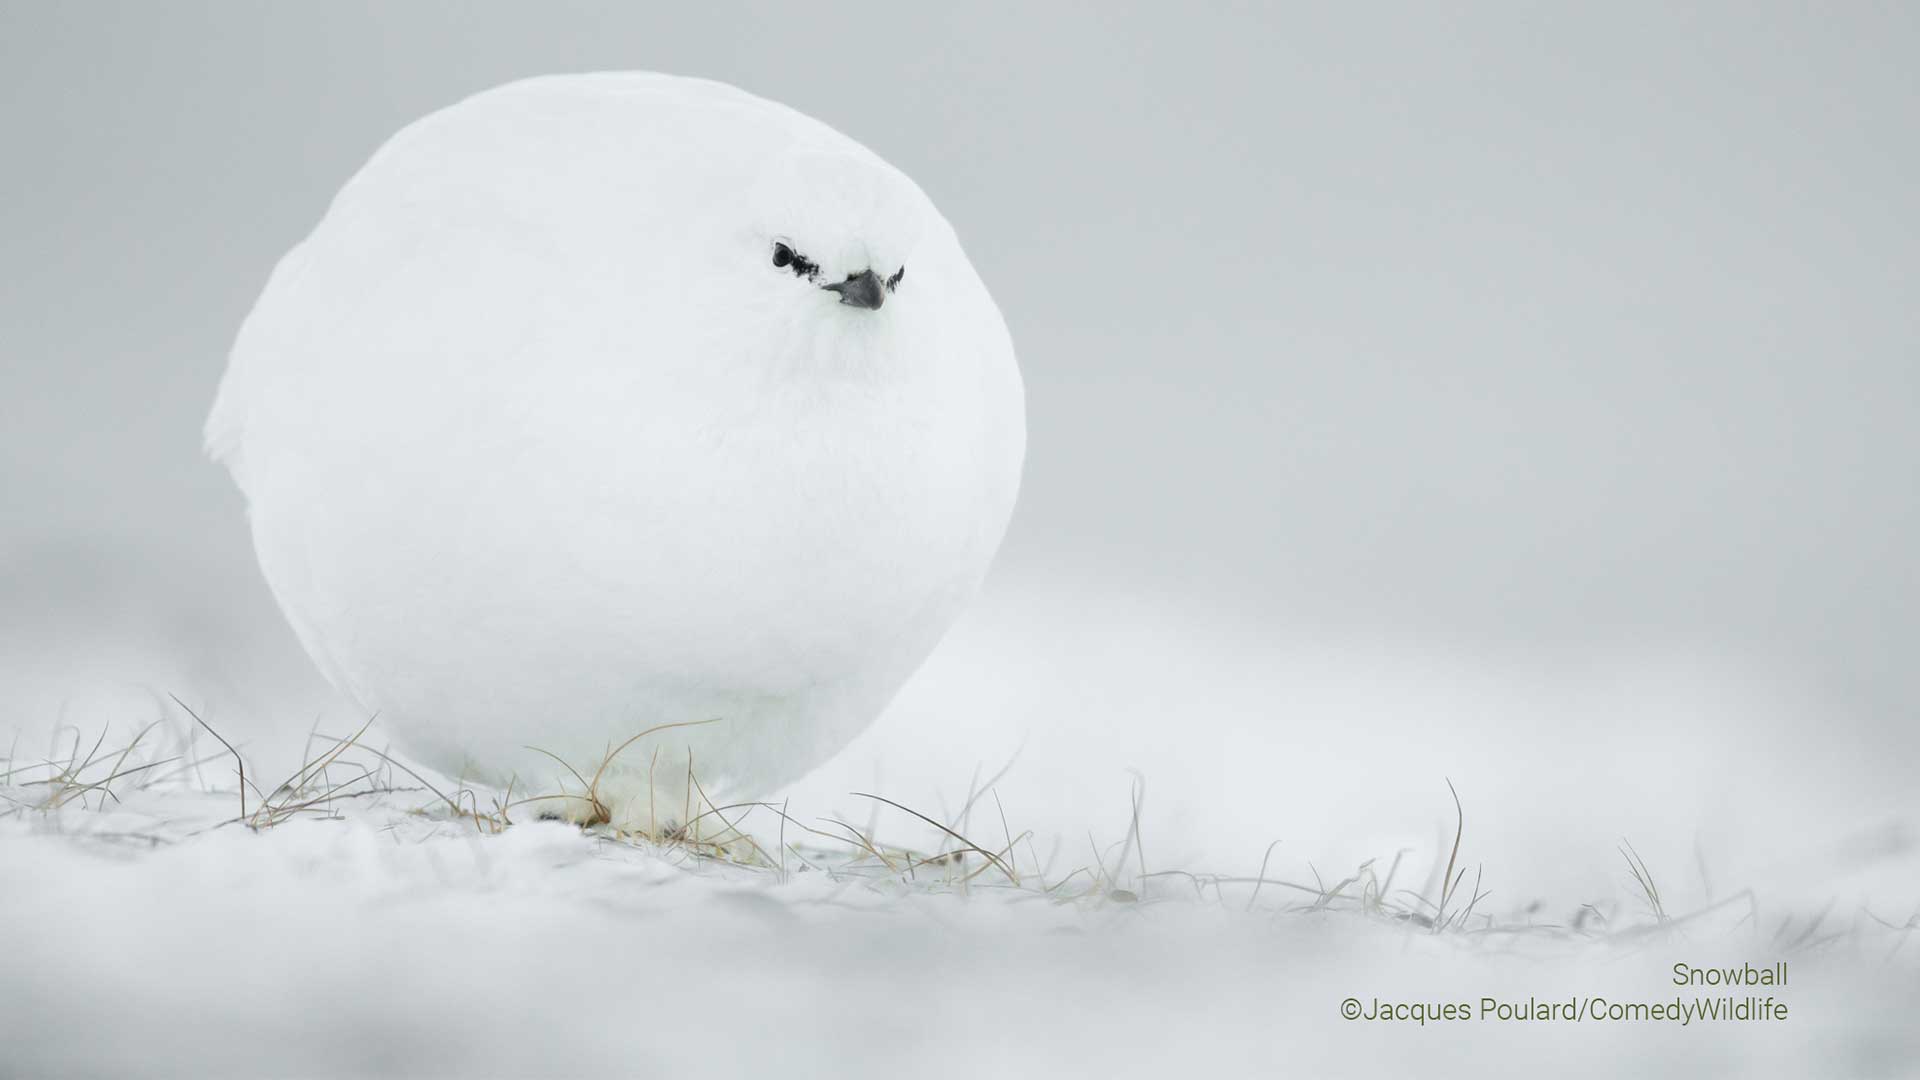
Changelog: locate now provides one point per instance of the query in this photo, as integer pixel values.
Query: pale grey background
(1515, 329)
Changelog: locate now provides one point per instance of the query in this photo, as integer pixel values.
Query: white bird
(603, 402)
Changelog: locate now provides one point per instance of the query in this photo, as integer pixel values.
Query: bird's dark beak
(864, 290)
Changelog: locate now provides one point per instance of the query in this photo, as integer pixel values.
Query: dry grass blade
(974, 795)
(615, 752)
(240, 762)
(731, 826)
(120, 762)
(1447, 880)
(1262, 878)
(395, 763)
(1644, 878)
(585, 785)
(970, 845)
(1134, 840)
(315, 766)
(76, 790)
(868, 845)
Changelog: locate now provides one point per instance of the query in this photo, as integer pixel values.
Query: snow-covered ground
(143, 938)
(147, 929)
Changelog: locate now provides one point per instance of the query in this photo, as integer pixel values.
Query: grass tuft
(82, 777)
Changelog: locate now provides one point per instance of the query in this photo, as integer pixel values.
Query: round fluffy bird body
(597, 403)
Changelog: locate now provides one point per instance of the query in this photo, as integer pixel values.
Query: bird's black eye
(898, 276)
(786, 258)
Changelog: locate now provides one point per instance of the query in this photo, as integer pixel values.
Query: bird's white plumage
(541, 449)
